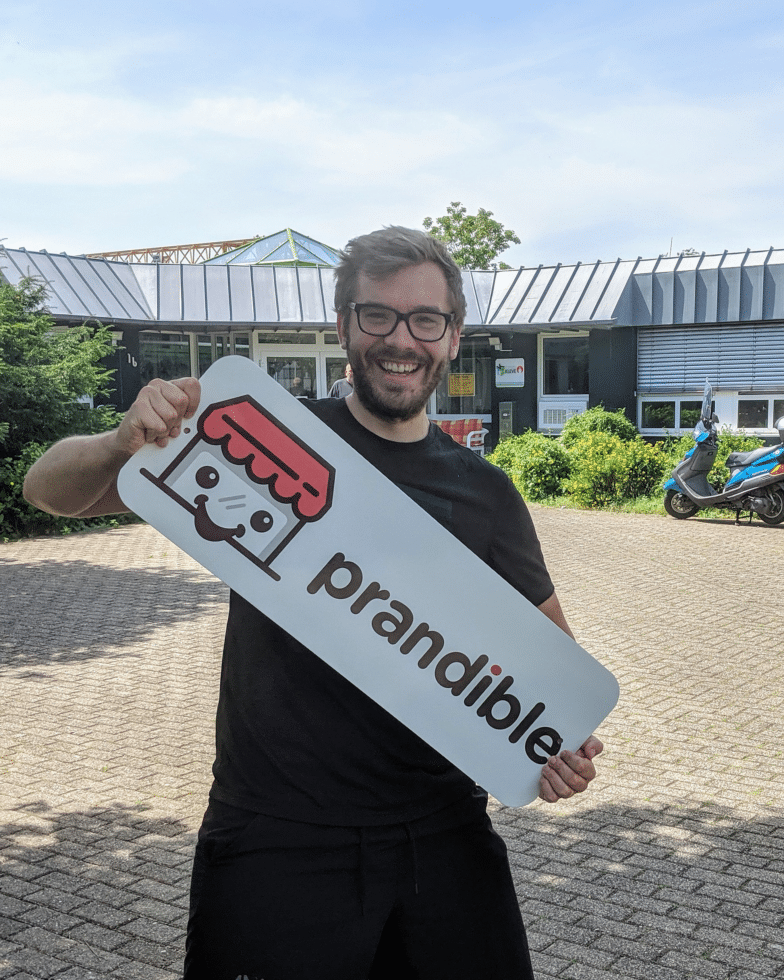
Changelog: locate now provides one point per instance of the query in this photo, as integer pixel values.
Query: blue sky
(593, 130)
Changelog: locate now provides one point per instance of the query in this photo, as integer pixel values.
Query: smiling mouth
(395, 367)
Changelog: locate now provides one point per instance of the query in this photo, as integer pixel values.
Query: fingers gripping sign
(570, 772)
(158, 413)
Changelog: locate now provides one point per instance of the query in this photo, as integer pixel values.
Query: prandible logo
(248, 480)
(464, 676)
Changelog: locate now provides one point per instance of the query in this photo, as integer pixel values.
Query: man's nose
(400, 335)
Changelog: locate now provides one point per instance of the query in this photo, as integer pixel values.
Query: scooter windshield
(707, 401)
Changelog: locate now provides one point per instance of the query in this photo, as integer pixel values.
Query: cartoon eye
(207, 477)
(261, 521)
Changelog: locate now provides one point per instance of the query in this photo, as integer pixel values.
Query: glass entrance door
(303, 372)
(297, 374)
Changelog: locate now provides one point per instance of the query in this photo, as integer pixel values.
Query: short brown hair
(382, 253)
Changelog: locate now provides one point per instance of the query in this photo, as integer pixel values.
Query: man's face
(394, 376)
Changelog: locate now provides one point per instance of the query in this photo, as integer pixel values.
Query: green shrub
(644, 468)
(537, 464)
(595, 479)
(20, 519)
(597, 419)
(607, 469)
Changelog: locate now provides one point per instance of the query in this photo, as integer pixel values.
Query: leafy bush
(537, 464)
(607, 469)
(598, 419)
(596, 472)
(20, 519)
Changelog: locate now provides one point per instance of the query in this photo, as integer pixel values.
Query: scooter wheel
(679, 506)
(778, 516)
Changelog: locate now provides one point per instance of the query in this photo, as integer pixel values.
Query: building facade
(540, 344)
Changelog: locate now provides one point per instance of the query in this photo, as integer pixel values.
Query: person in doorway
(343, 387)
(337, 845)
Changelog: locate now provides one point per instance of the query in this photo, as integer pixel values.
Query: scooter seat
(745, 459)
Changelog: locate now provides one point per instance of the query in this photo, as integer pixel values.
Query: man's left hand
(570, 772)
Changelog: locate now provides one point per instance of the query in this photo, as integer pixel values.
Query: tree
(43, 373)
(473, 240)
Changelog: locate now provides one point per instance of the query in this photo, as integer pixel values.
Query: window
(670, 414)
(759, 413)
(164, 355)
(285, 337)
(471, 393)
(691, 413)
(658, 415)
(565, 363)
(752, 413)
(662, 414)
(296, 374)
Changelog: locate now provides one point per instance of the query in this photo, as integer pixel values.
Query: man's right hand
(157, 414)
(77, 477)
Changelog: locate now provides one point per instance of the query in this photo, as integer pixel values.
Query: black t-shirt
(295, 739)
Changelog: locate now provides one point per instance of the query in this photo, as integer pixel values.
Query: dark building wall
(612, 369)
(124, 361)
(523, 399)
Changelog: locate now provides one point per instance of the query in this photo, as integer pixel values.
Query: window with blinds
(747, 357)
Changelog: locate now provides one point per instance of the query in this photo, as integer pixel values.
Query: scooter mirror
(779, 426)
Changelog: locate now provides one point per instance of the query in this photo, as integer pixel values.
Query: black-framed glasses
(380, 321)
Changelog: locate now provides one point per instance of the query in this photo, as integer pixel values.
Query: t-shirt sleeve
(515, 552)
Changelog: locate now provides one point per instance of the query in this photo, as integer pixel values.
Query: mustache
(389, 353)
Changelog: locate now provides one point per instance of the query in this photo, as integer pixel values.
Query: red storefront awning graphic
(271, 454)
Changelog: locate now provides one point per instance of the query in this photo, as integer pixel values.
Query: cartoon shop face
(248, 480)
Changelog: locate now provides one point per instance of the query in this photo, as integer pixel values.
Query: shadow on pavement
(103, 889)
(75, 609)
(644, 891)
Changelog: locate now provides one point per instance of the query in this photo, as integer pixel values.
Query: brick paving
(671, 867)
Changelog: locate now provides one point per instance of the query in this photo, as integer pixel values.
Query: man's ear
(341, 331)
(454, 343)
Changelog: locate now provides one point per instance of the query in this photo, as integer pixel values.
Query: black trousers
(278, 900)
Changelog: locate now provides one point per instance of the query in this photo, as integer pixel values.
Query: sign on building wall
(510, 372)
(273, 502)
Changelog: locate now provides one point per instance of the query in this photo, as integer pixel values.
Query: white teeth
(396, 368)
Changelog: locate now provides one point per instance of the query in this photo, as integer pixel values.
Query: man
(343, 387)
(338, 845)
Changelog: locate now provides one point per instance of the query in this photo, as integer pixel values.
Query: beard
(388, 406)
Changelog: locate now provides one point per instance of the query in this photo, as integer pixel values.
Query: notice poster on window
(510, 372)
(273, 502)
(462, 385)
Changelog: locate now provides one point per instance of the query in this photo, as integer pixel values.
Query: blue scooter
(756, 482)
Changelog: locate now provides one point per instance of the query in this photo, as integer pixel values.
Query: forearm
(552, 609)
(77, 477)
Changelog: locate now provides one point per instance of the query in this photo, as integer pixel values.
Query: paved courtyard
(671, 867)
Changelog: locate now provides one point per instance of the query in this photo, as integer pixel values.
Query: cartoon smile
(207, 528)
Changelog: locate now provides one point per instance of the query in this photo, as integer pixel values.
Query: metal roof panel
(240, 285)
(327, 280)
(611, 297)
(264, 294)
(529, 307)
(311, 300)
(519, 286)
(216, 282)
(287, 289)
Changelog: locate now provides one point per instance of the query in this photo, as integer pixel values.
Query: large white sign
(269, 499)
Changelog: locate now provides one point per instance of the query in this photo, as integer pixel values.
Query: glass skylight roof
(285, 247)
